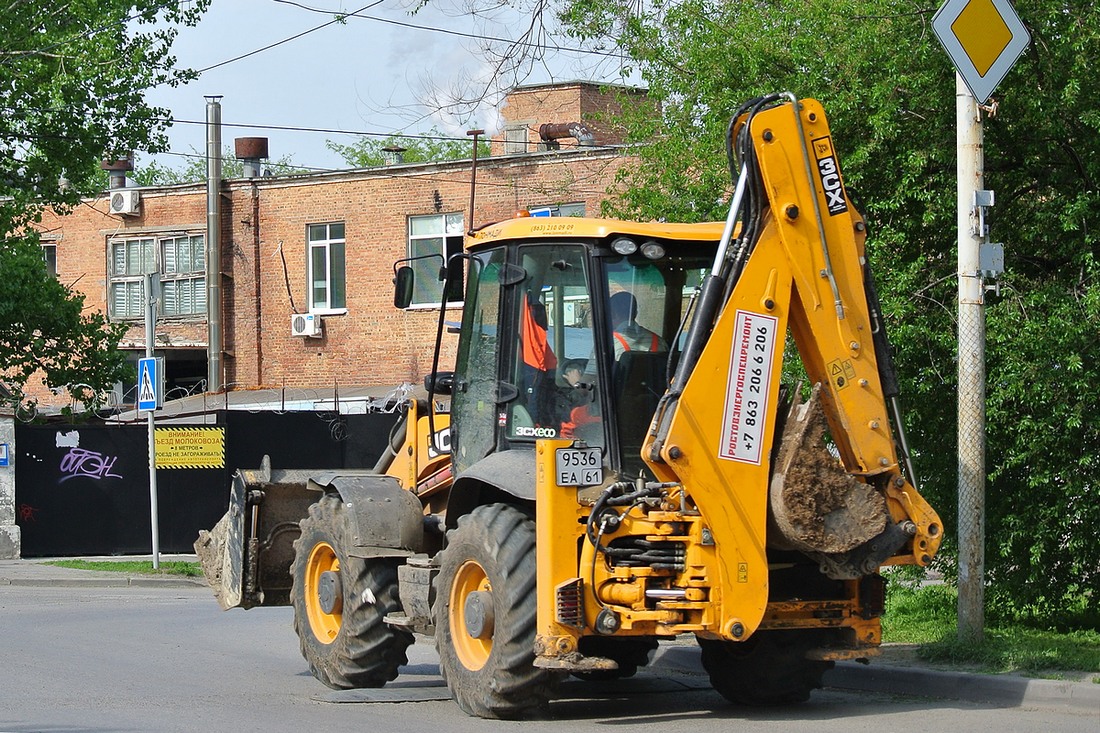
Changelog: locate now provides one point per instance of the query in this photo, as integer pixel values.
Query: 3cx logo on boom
(829, 172)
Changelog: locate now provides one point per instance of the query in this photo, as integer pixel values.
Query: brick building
(324, 244)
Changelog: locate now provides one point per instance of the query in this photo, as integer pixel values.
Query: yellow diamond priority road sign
(983, 38)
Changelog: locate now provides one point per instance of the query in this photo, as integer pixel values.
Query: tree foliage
(45, 326)
(430, 147)
(194, 170)
(889, 90)
(72, 78)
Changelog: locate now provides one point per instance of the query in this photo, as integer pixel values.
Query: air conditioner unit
(305, 324)
(125, 202)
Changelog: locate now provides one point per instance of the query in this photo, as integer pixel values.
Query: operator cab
(570, 337)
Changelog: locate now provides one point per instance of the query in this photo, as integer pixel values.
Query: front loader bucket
(246, 557)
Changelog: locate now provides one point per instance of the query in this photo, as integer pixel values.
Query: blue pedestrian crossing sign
(149, 380)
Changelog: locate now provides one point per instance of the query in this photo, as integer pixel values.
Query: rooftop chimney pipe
(250, 151)
(214, 345)
(556, 130)
(393, 155)
(118, 170)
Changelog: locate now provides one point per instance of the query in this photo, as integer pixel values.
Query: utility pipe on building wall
(473, 181)
(214, 346)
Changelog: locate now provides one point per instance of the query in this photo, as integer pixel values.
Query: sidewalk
(897, 671)
(35, 572)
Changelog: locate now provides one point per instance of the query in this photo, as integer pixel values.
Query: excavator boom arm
(836, 489)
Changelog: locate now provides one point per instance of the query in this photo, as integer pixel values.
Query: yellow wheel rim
(472, 652)
(325, 625)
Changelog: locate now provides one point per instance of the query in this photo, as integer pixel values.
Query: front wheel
(770, 668)
(339, 604)
(485, 615)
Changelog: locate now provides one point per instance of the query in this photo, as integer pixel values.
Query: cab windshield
(596, 338)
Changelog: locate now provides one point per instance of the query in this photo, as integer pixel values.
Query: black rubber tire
(630, 653)
(770, 668)
(358, 649)
(492, 676)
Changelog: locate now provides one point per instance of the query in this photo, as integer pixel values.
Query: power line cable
(445, 31)
(338, 19)
(436, 178)
(326, 130)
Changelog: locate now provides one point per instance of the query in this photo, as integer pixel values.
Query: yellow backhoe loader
(619, 461)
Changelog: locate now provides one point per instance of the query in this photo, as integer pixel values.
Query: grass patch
(142, 567)
(926, 616)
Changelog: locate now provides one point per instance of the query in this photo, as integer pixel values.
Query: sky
(362, 75)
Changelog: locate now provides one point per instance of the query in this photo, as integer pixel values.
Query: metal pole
(971, 406)
(213, 244)
(473, 179)
(150, 328)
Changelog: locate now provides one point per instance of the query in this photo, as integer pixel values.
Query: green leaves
(889, 91)
(72, 79)
(430, 147)
(44, 327)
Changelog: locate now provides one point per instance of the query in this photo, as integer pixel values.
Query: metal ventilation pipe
(250, 151)
(214, 346)
(553, 131)
(393, 155)
(118, 170)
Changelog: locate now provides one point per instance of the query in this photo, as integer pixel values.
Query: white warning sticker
(748, 388)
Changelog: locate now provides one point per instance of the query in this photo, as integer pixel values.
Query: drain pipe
(213, 243)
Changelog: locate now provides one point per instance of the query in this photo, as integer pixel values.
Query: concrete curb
(122, 581)
(999, 690)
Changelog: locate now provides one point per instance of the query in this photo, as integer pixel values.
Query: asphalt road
(93, 659)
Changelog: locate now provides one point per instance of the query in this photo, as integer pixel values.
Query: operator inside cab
(629, 335)
(579, 363)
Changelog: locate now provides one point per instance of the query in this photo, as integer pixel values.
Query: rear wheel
(770, 668)
(485, 615)
(339, 603)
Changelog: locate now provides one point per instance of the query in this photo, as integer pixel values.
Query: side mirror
(440, 382)
(403, 287)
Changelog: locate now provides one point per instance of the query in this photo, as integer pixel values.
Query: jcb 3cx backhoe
(540, 526)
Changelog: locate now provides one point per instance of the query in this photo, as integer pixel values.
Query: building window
(439, 235)
(327, 284)
(179, 261)
(183, 282)
(49, 254)
(515, 139)
(130, 260)
(575, 209)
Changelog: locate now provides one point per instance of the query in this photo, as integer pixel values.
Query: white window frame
(433, 234)
(332, 250)
(183, 275)
(147, 253)
(138, 256)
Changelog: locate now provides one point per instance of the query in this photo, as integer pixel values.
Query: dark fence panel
(84, 490)
(305, 439)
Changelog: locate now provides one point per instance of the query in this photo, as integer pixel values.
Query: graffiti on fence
(87, 463)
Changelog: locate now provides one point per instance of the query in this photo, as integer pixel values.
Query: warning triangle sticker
(147, 393)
